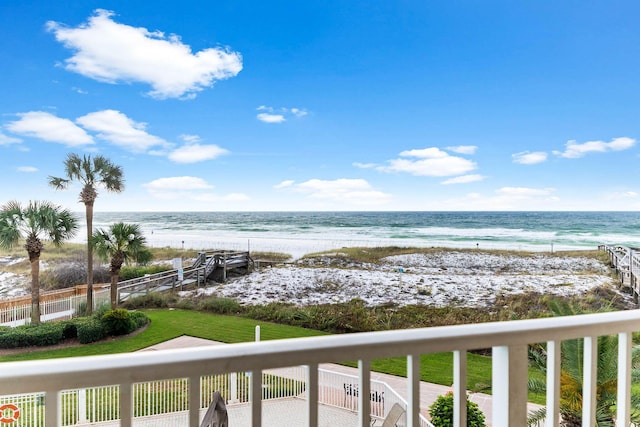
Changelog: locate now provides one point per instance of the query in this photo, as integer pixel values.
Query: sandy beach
(442, 278)
(450, 277)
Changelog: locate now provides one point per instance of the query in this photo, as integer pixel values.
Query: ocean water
(299, 233)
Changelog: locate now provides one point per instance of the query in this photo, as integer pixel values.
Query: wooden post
(224, 267)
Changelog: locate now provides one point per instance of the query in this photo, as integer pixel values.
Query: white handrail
(508, 338)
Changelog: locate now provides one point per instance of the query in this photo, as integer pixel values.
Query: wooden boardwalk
(214, 265)
(626, 261)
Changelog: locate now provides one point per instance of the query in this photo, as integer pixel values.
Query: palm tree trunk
(35, 291)
(114, 290)
(89, 214)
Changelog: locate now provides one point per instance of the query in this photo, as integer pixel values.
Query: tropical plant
(441, 412)
(34, 223)
(119, 244)
(571, 376)
(91, 173)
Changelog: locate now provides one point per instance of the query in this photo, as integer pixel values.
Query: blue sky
(325, 105)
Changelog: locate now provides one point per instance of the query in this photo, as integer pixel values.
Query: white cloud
(463, 149)
(432, 162)
(527, 158)
(47, 127)
(189, 188)
(298, 112)
(364, 165)
(464, 179)
(192, 153)
(284, 184)
(6, 139)
(107, 51)
(271, 118)
(189, 138)
(574, 150)
(278, 115)
(425, 153)
(346, 191)
(27, 169)
(178, 183)
(116, 128)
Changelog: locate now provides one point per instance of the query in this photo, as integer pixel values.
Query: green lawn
(169, 324)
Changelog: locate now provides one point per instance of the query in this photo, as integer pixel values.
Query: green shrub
(69, 329)
(118, 322)
(47, 333)
(139, 319)
(90, 329)
(441, 412)
(186, 304)
(101, 310)
(14, 338)
(220, 305)
(32, 335)
(151, 300)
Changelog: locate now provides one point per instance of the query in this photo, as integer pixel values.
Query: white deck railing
(54, 309)
(508, 340)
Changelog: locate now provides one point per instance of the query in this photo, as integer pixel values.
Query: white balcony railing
(166, 402)
(508, 341)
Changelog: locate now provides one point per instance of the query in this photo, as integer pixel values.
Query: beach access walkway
(294, 410)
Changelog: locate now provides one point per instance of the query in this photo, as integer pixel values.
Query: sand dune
(445, 278)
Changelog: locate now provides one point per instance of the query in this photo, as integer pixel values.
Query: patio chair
(393, 416)
(216, 415)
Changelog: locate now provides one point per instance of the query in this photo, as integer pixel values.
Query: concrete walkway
(428, 391)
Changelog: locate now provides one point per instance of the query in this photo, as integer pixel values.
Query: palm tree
(571, 371)
(92, 173)
(121, 243)
(33, 223)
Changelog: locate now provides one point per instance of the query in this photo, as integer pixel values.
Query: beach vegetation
(219, 306)
(91, 173)
(151, 300)
(571, 376)
(441, 412)
(375, 255)
(119, 244)
(69, 274)
(270, 256)
(33, 224)
(169, 253)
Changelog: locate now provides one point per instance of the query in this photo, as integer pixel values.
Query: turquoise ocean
(298, 233)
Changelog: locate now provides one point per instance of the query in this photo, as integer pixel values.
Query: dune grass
(374, 255)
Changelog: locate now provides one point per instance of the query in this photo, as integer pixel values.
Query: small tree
(33, 223)
(441, 412)
(121, 243)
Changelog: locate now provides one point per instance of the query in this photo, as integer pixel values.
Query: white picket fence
(58, 309)
(165, 400)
